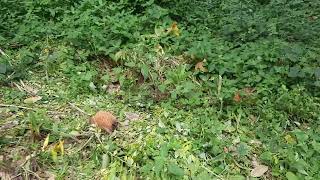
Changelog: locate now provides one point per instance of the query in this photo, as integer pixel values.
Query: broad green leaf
(317, 73)
(105, 161)
(176, 170)
(164, 150)
(159, 164)
(291, 176)
(267, 156)
(203, 175)
(145, 71)
(130, 64)
(316, 146)
(301, 136)
(237, 177)
(162, 88)
(3, 68)
(92, 87)
(243, 149)
(294, 72)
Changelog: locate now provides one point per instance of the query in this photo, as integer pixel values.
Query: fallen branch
(3, 53)
(27, 108)
(8, 125)
(78, 109)
(15, 106)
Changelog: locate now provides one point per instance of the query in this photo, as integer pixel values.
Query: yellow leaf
(32, 100)
(54, 155)
(45, 143)
(159, 49)
(58, 148)
(159, 32)
(120, 55)
(290, 139)
(130, 161)
(174, 29)
(61, 147)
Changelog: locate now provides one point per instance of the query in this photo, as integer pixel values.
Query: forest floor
(202, 89)
(49, 136)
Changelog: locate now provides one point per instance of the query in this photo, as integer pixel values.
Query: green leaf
(294, 72)
(32, 100)
(301, 136)
(267, 156)
(130, 64)
(3, 68)
(145, 71)
(291, 176)
(162, 88)
(317, 72)
(106, 78)
(158, 165)
(175, 170)
(243, 149)
(237, 177)
(164, 150)
(316, 146)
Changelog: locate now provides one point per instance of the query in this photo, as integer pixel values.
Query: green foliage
(248, 43)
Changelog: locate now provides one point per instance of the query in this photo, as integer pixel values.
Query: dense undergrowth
(221, 83)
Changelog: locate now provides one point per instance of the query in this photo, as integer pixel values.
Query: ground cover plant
(201, 89)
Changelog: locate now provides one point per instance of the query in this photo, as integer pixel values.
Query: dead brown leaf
(32, 100)
(248, 91)
(243, 94)
(132, 116)
(255, 142)
(225, 150)
(30, 89)
(259, 170)
(113, 88)
(200, 66)
(105, 120)
(9, 125)
(237, 97)
(5, 176)
(313, 18)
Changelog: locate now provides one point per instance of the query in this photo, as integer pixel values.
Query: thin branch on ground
(78, 109)
(9, 125)
(15, 106)
(27, 108)
(3, 53)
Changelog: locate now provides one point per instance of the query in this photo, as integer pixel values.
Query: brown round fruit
(105, 120)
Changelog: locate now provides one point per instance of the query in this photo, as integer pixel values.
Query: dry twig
(27, 108)
(78, 109)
